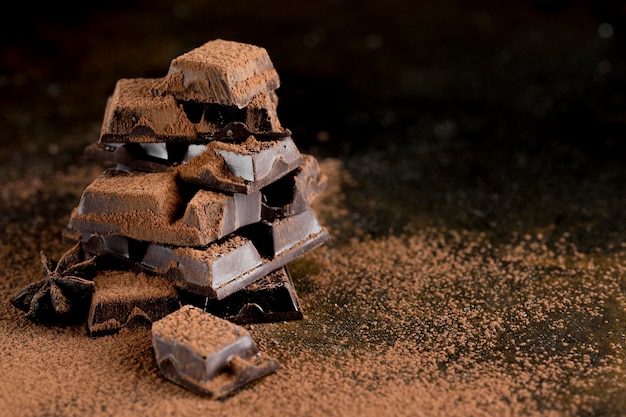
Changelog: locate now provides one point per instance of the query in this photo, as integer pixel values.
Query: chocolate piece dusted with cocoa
(118, 191)
(240, 167)
(134, 114)
(270, 299)
(220, 71)
(207, 354)
(220, 269)
(126, 299)
(223, 267)
(228, 266)
(152, 207)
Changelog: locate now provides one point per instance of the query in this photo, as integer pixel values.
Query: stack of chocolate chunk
(208, 202)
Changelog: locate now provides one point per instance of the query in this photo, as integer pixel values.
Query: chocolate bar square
(207, 354)
(124, 299)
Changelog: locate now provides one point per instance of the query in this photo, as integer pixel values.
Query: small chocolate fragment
(136, 156)
(270, 299)
(220, 265)
(220, 71)
(294, 193)
(207, 354)
(124, 299)
(215, 215)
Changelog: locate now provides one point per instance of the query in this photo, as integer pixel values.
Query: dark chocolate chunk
(240, 167)
(207, 354)
(294, 193)
(220, 71)
(204, 272)
(273, 237)
(125, 299)
(270, 299)
(133, 156)
(218, 268)
(134, 114)
(152, 207)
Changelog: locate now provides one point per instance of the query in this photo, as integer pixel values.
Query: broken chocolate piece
(117, 192)
(225, 266)
(150, 207)
(207, 354)
(220, 264)
(273, 237)
(204, 271)
(125, 299)
(294, 193)
(220, 71)
(270, 299)
(241, 167)
(230, 167)
(134, 114)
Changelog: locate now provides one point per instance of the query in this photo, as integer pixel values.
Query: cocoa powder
(437, 322)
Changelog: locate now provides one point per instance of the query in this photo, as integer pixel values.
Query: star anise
(65, 286)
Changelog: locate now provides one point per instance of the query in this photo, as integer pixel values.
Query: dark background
(504, 117)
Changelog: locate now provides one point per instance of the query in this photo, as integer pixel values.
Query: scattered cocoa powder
(438, 322)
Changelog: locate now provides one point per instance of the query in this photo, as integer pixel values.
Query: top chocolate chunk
(220, 71)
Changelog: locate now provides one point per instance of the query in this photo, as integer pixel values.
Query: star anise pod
(65, 286)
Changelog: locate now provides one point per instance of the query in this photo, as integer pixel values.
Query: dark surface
(499, 123)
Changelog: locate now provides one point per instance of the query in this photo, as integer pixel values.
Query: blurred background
(503, 117)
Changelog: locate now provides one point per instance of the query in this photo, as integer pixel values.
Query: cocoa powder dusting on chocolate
(202, 332)
(110, 285)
